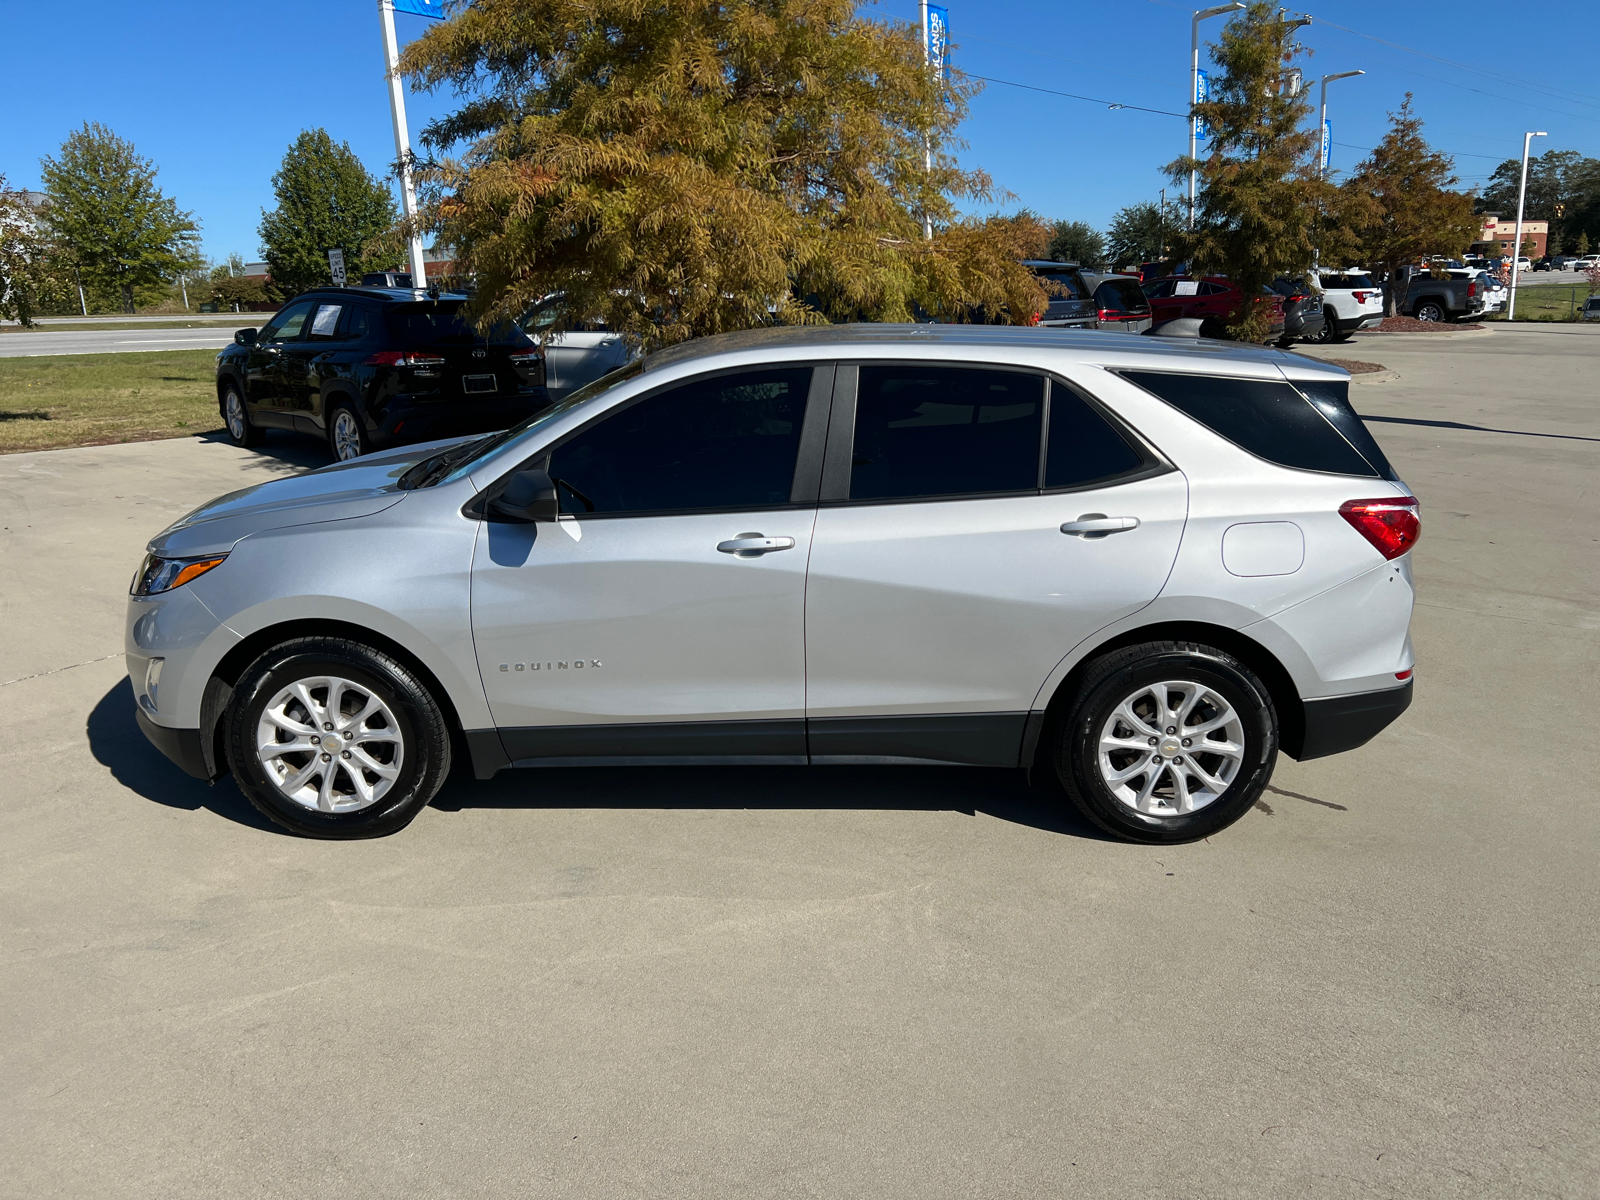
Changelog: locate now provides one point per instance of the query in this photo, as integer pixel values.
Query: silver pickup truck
(1451, 298)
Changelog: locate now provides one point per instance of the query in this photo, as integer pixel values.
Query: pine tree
(326, 201)
(1413, 210)
(1076, 241)
(1258, 196)
(682, 168)
(105, 211)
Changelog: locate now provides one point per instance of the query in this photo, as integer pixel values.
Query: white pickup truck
(1350, 301)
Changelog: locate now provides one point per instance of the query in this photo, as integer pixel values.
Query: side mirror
(528, 496)
(245, 337)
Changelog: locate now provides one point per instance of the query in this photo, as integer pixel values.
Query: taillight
(1361, 297)
(524, 358)
(1392, 524)
(1472, 289)
(404, 358)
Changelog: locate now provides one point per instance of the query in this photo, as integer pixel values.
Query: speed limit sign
(336, 265)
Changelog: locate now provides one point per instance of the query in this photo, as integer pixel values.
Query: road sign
(336, 265)
(938, 34)
(421, 8)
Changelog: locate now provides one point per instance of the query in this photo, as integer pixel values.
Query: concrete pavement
(42, 342)
(834, 981)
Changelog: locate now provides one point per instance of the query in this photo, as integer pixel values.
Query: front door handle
(754, 545)
(1098, 525)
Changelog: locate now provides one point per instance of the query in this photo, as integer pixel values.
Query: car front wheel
(331, 738)
(236, 417)
(1167, 742)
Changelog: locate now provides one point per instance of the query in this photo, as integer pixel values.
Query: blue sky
(214, 90)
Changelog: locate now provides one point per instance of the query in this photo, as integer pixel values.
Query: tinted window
(1084, 448)
(358, 323)
(1270, 420)
(286, 326)
(1061, 285)
(1121, 296)
(325, 324)
(1159, 290)
(945, 431)
(441, 322)
(1332, 400)
(727, 442)
(1343, 282)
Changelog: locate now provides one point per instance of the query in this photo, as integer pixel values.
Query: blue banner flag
(938, 33)
(1327, 143)
(421, 8)
(1202, 93)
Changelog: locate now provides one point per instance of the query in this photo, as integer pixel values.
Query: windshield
(460, 466)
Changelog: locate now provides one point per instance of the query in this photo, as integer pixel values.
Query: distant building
(1494, 231)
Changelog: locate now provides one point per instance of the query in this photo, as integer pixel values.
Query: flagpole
(402, 141)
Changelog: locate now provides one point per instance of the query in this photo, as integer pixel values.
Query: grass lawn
(1547, 302)
(94, 399)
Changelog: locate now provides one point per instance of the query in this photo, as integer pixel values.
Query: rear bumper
(1342, 723)
(182, 746)
(424, 421)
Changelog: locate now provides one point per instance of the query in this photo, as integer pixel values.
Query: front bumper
(1341, 723)
(182, 746)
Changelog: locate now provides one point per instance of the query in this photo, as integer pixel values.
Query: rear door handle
(1098, 525)
(754, 545)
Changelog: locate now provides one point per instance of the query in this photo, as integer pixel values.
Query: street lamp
(1322, 120)
(1194, 85)
(1516, 251)
(402, 141)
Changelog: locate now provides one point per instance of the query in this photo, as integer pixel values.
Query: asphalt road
(42, 342)
(838, 981)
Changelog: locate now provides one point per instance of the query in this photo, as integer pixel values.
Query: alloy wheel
(1171, 748)
(235, 415)
(329, 744)
(346, 436)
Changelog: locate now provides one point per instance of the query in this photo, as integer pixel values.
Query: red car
(1203, 296)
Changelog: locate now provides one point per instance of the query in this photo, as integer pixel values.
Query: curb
(1482, 331)
(1378, 376)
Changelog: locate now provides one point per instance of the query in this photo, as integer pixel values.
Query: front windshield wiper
(436, 466)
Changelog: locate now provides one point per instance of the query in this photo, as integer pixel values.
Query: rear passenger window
(357, 323)
(945, 431)
(325, 325)
(1271, 420)
(1332, 400)
(1084, 448)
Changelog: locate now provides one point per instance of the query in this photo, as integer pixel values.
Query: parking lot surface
(835, 981)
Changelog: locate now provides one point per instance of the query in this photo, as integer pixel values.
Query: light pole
(1516, 251)
(1194, 85)
(402, 140)
(1322, 119)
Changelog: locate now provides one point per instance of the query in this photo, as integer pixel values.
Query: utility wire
(1074, 96)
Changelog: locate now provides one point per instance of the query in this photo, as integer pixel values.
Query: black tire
(422, 737)
(1344, 335)
(1328, 333)
(242, 431)
(1429, 310)
(347, 438)
(1115, 678)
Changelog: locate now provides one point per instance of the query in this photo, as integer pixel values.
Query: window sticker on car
(326, 321)
(1189, 287)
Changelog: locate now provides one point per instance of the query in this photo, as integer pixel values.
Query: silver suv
(1139, 566)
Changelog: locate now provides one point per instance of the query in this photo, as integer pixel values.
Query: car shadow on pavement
(291, 449)
(1565, 437)
(117, 743)
(1002, 794)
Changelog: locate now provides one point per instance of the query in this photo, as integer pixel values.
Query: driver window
(286, 326)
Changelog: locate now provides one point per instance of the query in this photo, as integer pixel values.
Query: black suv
(371, 366)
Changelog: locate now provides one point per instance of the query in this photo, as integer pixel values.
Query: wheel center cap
(1170, 746)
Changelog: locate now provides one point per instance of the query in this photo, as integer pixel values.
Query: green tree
(1582, 244)
(1259, 194)
(1563, 188)
(1139, 233)
(106, 213)
(326, 200)
(1413, 210)
(682, 168)
(1076, 241)
(30, 276)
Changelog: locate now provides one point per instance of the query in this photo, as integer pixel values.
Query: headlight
(157, 575)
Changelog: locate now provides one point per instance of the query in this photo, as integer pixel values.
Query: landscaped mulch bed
(1412, 325)
(1355, 366)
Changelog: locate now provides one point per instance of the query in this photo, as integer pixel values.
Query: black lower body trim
(487, 752)
(748, 741)
(968, 739)
(182, 746)
(1342, 723)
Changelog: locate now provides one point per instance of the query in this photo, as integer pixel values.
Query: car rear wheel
(331, 738)
(236, 418)
(1430, 310)
(347, 438)
(1167, 742)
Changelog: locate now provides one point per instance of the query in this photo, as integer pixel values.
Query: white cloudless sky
(215, 90)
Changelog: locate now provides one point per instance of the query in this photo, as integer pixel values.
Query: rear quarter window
(1121, 295)
(1271, 420)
